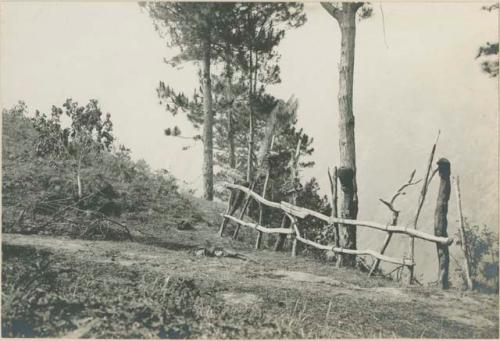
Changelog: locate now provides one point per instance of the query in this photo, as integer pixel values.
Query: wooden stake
(235, 201)
(465, 246)
(280, 241)
(421, 200)
(243, 211)
(261, 209)
(333, 187)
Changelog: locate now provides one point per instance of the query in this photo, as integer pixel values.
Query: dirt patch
(246, 299)
(305, 277)
(465, 317)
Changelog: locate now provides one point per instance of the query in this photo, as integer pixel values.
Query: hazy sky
(425, 79)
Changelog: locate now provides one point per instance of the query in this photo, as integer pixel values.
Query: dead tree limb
(244, 209)
(349, 251)
(423, 193)
(302, 212)
(293, 179)
(261, 211)
(266, 144)
(235, 200)
(264, 190)
(464, 244)
(395, 216)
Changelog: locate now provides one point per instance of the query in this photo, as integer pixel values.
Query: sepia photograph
(249, 170)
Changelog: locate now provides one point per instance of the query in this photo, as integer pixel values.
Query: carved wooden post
(441, 221)
(348, 209)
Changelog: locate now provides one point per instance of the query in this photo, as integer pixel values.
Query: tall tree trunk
(230, 137)
(441, 221)
(208, 166)
(250, 147)
(347, 172)
(251, 122)
(348, 209)
(230, 99)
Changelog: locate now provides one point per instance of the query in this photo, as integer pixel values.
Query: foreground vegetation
(136, 289)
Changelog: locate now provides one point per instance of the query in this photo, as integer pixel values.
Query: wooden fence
(293, 212)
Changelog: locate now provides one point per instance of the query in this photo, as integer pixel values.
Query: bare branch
(331, 9)
(357, 5)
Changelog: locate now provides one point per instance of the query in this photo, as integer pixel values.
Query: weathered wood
(464, 244)
(441, 221)
(270, 129)
(348, 209)
(235, 200)
(382, 250)
(294, 245)
(350, 251)
(421, 200)
(280, 241)
(244, 209)
(261, 210)
(333, 188)
(293, 224)
(394, 218)
(301, 212)
(258, 227)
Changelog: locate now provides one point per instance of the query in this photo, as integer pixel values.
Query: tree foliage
(488, 53)
(482, 244)
(38, 185)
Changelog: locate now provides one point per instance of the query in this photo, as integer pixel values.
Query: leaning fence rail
(302, 212)
(293, 212)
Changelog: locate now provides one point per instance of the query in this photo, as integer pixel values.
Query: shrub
(482, 244)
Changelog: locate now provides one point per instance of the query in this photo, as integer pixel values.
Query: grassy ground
(156, 286)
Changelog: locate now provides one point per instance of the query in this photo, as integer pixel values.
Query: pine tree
(195, 29)
(345, 14)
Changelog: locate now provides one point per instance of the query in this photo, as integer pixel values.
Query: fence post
(464, 244)
(235, 200)
(262, 208)
(294, 244)
(280, 239)
(333, 187)
(441, 221)
(259, 233)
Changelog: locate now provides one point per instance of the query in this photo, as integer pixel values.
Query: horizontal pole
(258, 227)
(304, 212)
(356, 252)
(349, 251)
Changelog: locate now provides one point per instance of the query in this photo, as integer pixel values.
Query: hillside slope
(158, 286)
